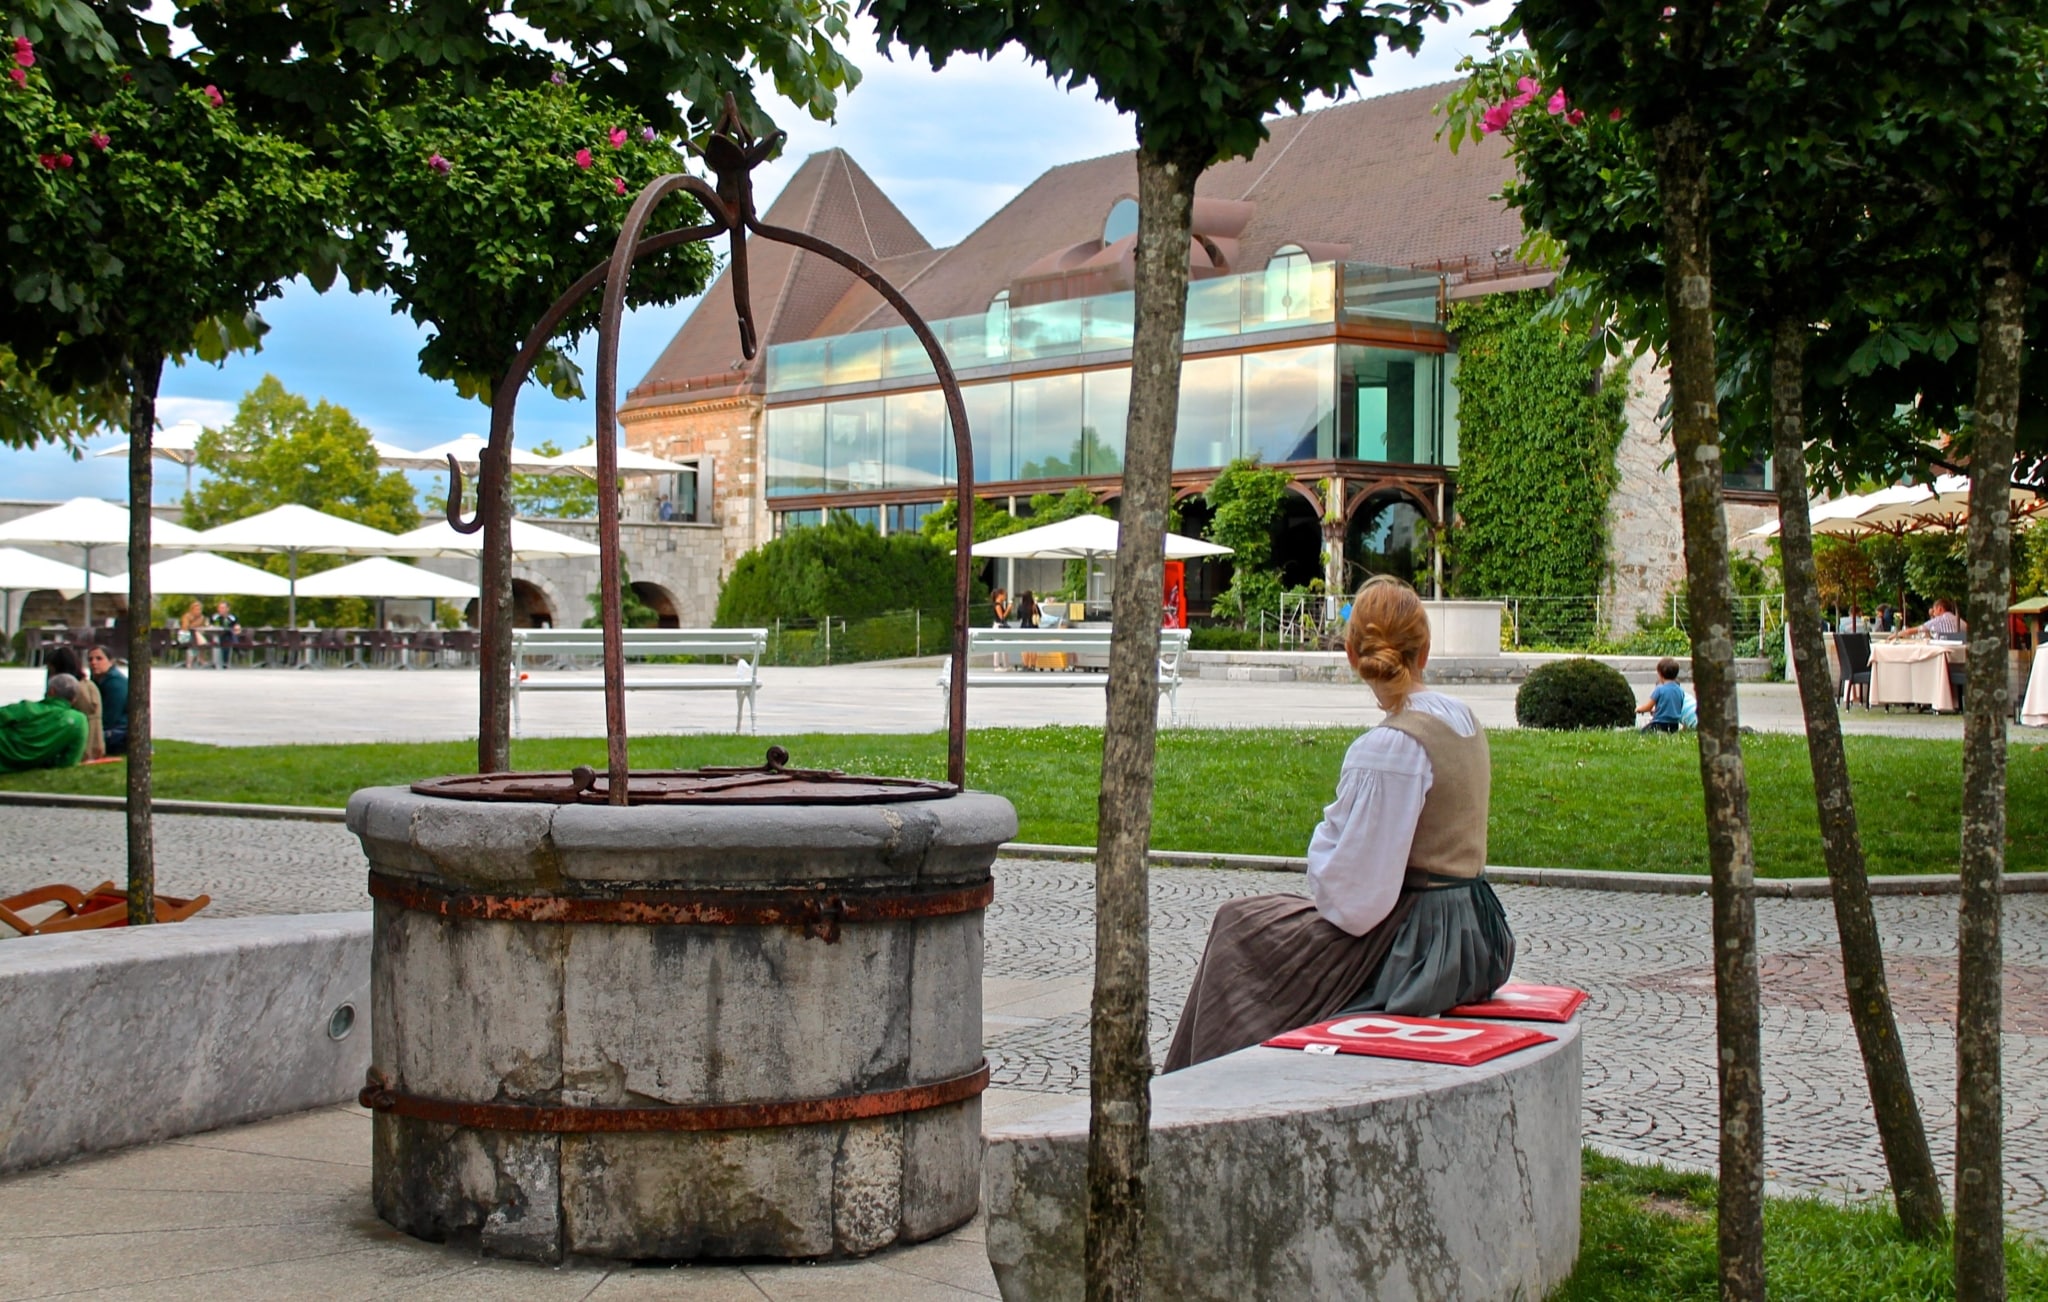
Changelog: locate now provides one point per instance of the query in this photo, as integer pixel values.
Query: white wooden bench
(743, 646)
(1092, 642)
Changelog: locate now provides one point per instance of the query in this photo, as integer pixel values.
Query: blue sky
(949, 147)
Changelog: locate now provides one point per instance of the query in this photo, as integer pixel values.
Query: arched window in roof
(1122, 222)
(1289, 284)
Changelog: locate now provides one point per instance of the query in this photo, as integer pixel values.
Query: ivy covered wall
(1537, 435)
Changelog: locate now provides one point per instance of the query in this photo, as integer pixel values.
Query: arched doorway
(530, 606)
(1206, 578)
(1389, 533)
(661, 601)
(1297, 542)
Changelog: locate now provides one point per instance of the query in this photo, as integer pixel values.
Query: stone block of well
(1280, 1174)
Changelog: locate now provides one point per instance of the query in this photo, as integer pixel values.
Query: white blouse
(1359, 853)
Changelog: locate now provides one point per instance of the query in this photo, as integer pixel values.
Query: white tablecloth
(1913, 673)
(2034, 709)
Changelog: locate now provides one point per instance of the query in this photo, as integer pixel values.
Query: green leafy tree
(841, 569)
(145, 221)
(1200, 80)
(281, 450)
(1247, 499)
(1537, 434)
(552, 497)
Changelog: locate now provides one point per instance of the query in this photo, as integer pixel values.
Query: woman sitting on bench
(1402, 919)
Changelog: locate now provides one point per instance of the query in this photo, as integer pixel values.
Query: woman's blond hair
(1387, 636)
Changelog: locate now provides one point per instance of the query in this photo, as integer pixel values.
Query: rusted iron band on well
(817, 909)
(379, 1096)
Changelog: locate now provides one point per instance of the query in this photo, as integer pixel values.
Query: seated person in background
(1666, 706)
(1402, 919)
(62, 661)
(1887, 620)
(112, 681)
(1942, 621)
(46, 734)
(1027, 610)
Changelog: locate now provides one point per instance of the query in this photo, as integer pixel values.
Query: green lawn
(1623, 802)
(1647, 1235)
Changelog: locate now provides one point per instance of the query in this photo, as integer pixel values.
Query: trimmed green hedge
(1577, 693)
(839, 569)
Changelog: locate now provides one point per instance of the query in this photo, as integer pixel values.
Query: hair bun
(1387, 637)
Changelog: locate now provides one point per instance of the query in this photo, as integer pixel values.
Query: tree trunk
(1681, 149)
(1916, 1186)
(143, 380)
(1980, 1118)
(494, 615)
(1120, 1056)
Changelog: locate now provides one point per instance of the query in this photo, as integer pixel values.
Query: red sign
(1526, 1004)
(1423, 1039)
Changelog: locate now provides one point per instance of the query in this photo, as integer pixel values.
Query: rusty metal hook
(455, 520)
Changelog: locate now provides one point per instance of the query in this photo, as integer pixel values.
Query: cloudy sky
(949, 147)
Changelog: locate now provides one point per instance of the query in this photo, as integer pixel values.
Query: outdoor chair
(47, 910)
(1854, 649)
(462, 644)
(1958, 679)
(328, 643)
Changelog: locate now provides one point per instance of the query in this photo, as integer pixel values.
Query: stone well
(675, 1031)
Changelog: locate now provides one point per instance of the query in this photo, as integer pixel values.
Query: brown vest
(1450, 837)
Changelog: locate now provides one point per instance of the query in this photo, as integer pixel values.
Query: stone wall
(1645, 537)
(729, 431)
(683, 560)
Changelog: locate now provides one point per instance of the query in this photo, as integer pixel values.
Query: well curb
(1582, 879)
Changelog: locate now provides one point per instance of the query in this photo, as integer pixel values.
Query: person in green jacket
(45, 734)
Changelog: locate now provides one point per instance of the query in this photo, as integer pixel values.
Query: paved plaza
(204, 1212)
(253, 707)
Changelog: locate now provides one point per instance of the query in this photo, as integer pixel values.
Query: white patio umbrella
(467, 451)
(204, 572)
(380, 576)
(1084, 538)
(87, 523)
(1944, 504)
(383, 578)
(530, 542)
(179, 443)
(583, 461)
(23, 573)
(292, 530)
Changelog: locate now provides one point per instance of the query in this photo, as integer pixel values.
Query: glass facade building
(1047, 387)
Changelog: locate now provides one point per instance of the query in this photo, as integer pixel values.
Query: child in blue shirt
(1666, 706)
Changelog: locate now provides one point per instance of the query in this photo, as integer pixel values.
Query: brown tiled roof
(793, 291)
(1366, 180)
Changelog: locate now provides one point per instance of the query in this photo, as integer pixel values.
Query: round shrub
(1577, 693)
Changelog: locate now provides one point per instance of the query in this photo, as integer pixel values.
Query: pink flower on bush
(47, 160)
(20, 76)
(618, 137)
(1614, 115)
(1496, 118)
(1557, 102)
(100, 140)
(647, 134)
(1574, 117)
(64, 160)
(440, 164)
(24, 52)
(619, 184)
(213, 94)
(559, 77)
(583, 159)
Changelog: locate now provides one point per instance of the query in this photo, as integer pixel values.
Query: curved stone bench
(1281, 1174)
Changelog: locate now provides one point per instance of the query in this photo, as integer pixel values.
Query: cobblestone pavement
(1645, 959)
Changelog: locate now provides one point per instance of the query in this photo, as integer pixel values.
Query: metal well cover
(772, 783)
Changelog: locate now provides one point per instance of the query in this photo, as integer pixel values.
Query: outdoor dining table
(2034, 709)
(1914, 673)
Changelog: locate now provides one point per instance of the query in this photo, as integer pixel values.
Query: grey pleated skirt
(1273, 964)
